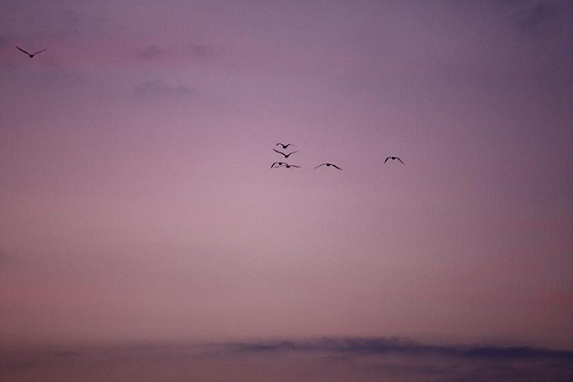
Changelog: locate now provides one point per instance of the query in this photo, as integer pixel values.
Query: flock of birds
(283, 146)
(327, 164)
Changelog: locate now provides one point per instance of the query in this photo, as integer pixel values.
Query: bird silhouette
(31, 54)
(393, 158)
(284, 146)
(285, 155)
(283, 164)
(328, 165)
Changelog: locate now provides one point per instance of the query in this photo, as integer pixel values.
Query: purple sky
(137, 200)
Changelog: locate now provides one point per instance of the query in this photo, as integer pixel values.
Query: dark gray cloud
(534, 17)
(340, 359)
(156, 88)
(384, 357)
(548, 18)
(370, 346)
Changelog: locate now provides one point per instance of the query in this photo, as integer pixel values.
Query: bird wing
(22, 50)
(40, 51)
(400, 160)
(386, 159)
(335, 166)
(319, 165)
(277, 151)
(287, 155)
(277, 163)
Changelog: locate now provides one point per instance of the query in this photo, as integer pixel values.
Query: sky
(138, 202)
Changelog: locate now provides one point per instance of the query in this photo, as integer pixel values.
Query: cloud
(534, 17)
(388, 358)
(200, 51)
(348, 359)
(151, 53)
(156, 88)
(547, 19)
(3, 258)
(382, 346)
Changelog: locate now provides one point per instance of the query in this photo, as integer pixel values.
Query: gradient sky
(137, 200)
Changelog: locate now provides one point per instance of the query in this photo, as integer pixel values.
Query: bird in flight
(393, 158)
(283, 164)
(285, 155)
(328, 165)
(30, 54)
(284, 146)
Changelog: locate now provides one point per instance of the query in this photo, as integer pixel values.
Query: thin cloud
(381, 346)
(159, 88)
(200, 51)
(58, 23)
(534, 17)
(151, 53)
(3, 258)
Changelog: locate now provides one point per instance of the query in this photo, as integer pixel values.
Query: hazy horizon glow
(137, 201)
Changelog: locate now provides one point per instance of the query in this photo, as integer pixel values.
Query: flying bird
(31, 54)
(284, 146)
(283, 164)
(285, 155)
(393, 158)
(328, 165)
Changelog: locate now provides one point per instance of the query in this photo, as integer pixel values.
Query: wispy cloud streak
(160, 88)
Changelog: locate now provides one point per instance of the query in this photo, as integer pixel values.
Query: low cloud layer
(341, 359)
(383, 346)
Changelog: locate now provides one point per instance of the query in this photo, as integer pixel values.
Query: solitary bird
(283, 164)
(328, 165)
(393, 158)
(30, 54)
(285, 155)
(284, 146)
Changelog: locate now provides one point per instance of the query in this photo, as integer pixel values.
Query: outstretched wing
(277, 151)
(400, 160)
(386, 159)
(22, 50)
(287, 155)
(278, 164)
(335, 166)
(319, 165)
(40, 51)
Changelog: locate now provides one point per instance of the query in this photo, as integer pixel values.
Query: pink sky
(137, 200)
